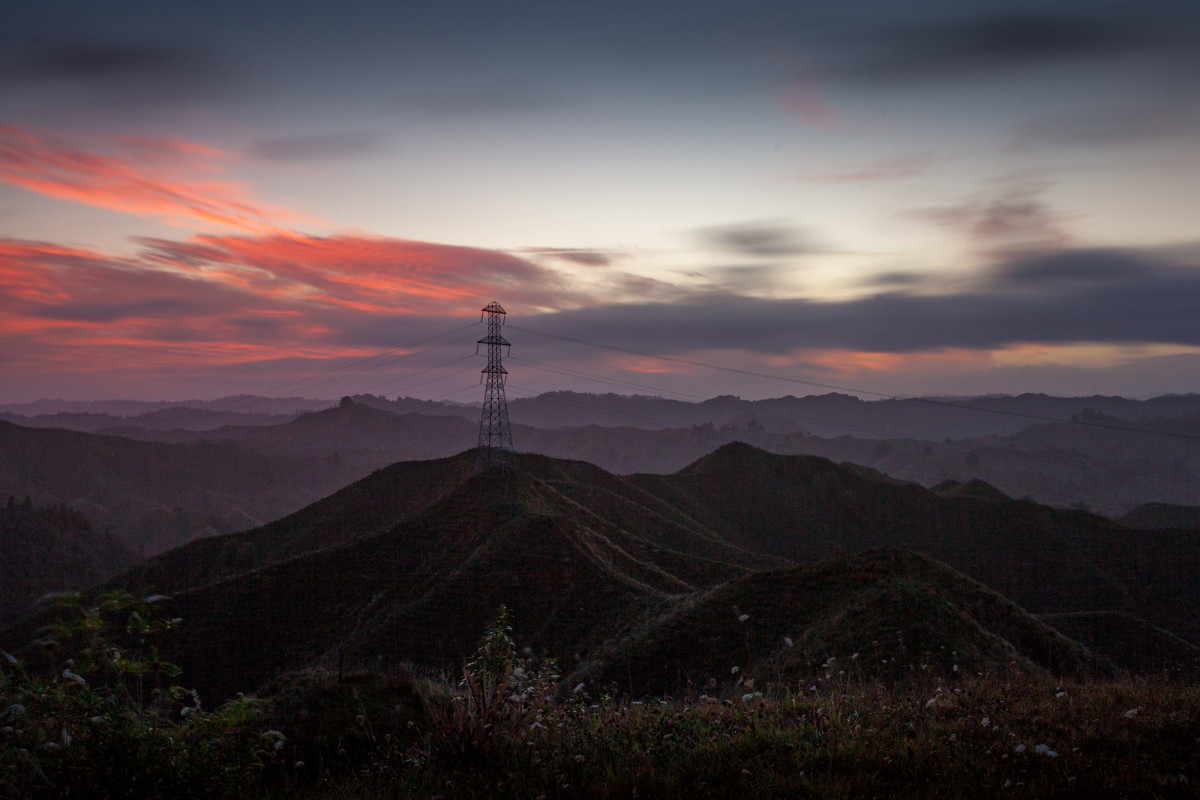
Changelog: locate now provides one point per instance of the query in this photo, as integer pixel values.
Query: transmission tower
(495, 435)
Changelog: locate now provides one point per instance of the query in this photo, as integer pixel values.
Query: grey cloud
(315, 147)
(897, 279)
(1113, 297)
(764, 238)
(952, 49)
(584, 258)
(1170, 118)
(1072, 266)
(121, 73)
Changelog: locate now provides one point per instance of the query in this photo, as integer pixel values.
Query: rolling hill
(642, 580)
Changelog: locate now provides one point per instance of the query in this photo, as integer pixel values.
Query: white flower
(931, 702)
(743, 617)
(746, 698)
(788, 641)
(1131, 713)
(578, 688)
(1019, 748)
(985, 722)
(734, 670)
(1060, 694)
(1043, 750)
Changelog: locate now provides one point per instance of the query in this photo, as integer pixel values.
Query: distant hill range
(170, 475)
(745, 564)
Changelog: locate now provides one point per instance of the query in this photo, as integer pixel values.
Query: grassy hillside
(878, 614)
(1047, 560)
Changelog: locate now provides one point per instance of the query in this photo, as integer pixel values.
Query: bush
(94, 714)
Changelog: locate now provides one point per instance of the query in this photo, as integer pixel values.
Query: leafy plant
(498, 696)
(94, 713)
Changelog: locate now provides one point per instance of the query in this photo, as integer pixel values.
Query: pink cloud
(169, 179)
(240, 299)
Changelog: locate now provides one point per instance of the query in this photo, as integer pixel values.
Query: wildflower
(734, 670)
(1019, 748)
(985, 722)
(931, 702)
(743, 617)
(1043, 750)
(578, 688)
(746, 698)
(788, 641)
(1060, 694)
(71, 676)
(1131, 713)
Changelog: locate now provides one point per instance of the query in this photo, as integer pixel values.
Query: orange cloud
(164, 178)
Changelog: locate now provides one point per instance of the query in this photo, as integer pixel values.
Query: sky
(681, 198)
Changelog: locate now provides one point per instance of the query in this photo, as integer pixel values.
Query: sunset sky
(202, 199)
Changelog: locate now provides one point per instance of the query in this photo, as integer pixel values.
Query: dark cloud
(117, 73)
(316, 147)
(764, 238)
(966, 46)
(897, 279)
(1045, 272)
(584, 258)
(1085, 296)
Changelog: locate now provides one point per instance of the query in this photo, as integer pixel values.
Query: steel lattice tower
(495, 435)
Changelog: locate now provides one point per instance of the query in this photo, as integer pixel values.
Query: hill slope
(877, 613)
(1047, 560)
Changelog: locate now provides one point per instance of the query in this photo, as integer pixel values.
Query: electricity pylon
(495, 435)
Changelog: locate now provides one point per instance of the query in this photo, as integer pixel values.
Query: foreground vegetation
(92, 712)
